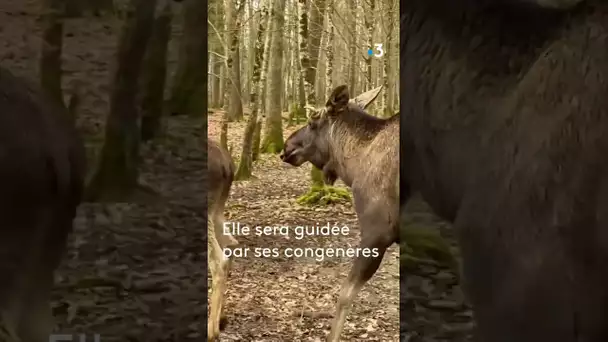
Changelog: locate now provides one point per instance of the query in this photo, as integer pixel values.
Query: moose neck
(354, 137)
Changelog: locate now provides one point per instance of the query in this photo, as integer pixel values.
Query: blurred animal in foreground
(220, 176)
(505, 131)
(41, 182)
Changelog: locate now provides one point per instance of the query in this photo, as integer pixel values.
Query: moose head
(311, 143)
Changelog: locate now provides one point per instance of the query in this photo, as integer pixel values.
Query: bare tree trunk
(224, 134)
(188, 93)
(257, 139)
(116, 176)
(264, 77)
(216, 62)
(222, 103)
(387, 75)
(233, 24)
(329, 59)
(257, 135)
(370, 42)
(310, 47)
(245, 165)
(254, 18)
(52, 45)
(317, 14)
(322, 63)
(236, 94)
(273, 138)
(352, 46)
(285, 69)
(155, 74)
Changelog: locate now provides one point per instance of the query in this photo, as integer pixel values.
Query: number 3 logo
(379, 51)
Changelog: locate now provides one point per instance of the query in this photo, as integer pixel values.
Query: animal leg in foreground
(373, 235)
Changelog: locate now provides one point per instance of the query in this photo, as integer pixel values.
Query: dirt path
(292, 299)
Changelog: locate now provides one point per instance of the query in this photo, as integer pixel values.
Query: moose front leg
(219, 266)
(329, 175)
(373, 236)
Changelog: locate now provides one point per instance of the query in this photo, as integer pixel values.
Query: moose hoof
(329, 177)
(214, 334)
(223, 322)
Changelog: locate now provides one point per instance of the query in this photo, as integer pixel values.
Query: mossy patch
(323, 195)
(421, 244)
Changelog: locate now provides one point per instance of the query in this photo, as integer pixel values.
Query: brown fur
(41, 181)
(361, 150)
(220, 175)
(505, 130)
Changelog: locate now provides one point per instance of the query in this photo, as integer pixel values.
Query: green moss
(316, 176)
(273, 142)
(273, 139)
(323, 195)
(421, 244)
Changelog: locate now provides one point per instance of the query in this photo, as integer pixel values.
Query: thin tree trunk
(264, 79)
(155, 74)
(254, 18)
(215, 61)
(317, 14)
(329, 59)
(233, 24)
(352, 46)
(273, 138)
(310, 59)
(117, 175)
(370, 42)
(52, 46)
(245, 165)
(257, 139)
(387, 63)
(188, 93)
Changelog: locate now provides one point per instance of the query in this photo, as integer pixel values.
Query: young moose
(220, 176)
(362, 150)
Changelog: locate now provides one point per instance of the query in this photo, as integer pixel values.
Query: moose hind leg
(215, 257)
(362, 270)
(213, 329)
(37, 322)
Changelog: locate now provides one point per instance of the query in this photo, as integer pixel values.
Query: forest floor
(293, 299)
(433, 307)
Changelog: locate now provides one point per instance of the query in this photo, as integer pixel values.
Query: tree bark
(116, 176)
(215, 61)
(155, 74)
(244, 169)
(273, 139)
(52, 46)
(235, 104)
(188, 93)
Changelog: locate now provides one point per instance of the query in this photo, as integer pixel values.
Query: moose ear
(338, 100)
(365, 99)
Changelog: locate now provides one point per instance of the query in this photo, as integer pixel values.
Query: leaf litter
(432, 302)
